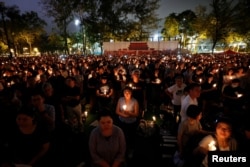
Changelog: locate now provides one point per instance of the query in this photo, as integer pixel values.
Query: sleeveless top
(129, 107)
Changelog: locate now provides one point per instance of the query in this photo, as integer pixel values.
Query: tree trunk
(6, 33)
(30, 47)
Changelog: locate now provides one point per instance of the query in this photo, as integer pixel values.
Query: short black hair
(236, 80)
(224, 119)
(193, 85)
(104, 113)
(178, 77)
(71, 78)
(26, 110)
(193, 111)
(128, 88)
(37, 92)
(104, 76)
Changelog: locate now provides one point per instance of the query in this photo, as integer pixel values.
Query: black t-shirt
(23, 147)
(104, 88)
(75, 91)
(234, 92)
(210, 95)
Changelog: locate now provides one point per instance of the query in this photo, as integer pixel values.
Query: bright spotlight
(77, 22)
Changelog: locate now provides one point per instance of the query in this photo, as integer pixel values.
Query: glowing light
(85, 114)
(154, 118)
(239, 95)
(77, 22)
(124, 107)
(158, 81)
(211, 146)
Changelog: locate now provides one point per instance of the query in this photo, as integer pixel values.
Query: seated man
(45, 112)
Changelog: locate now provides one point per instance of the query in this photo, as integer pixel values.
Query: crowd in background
(55, 90)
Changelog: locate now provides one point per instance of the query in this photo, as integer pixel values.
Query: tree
(200, 23)
(241, 23)
(5, 11)
(52, 43)
(31, 28)
(171, 26)
(146, 17)
(62, 13)
(220, 20)
(186, 21)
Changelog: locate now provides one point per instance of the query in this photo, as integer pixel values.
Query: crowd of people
(40, 97)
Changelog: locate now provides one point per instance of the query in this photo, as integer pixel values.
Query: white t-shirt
(204, 143)
(184, 105)
(177, 93)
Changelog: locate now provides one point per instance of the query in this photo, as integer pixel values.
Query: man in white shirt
(191, 99)
(176, 92)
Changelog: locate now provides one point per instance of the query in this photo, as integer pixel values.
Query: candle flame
(86, 113)
(154, 118)
(239, 95)
(211, 146)
(124, 107)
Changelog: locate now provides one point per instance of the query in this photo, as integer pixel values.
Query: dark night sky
(167, 6)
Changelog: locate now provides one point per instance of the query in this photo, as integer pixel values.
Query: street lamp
(82, 30)
(77, 22)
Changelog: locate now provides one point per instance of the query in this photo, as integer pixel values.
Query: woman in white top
(222, 140)
(127, 110)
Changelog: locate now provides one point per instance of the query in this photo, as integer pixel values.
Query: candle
(214, 85)
(105, 91)
(154, 118)
(239, 95)
(158, 81)
(124, 107)
(211, 146)
(200, 80)
(90, 76)
(85, 114)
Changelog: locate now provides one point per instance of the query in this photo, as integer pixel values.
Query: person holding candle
(233, 97)
(222, 140)
(154, 88)
(198, 75)
(139, 90)
(71, 103)
(127, 110)
(228, 77)
(209, 94)
(107, 143)
(104, 92)
(190, 131)
(176, 93)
